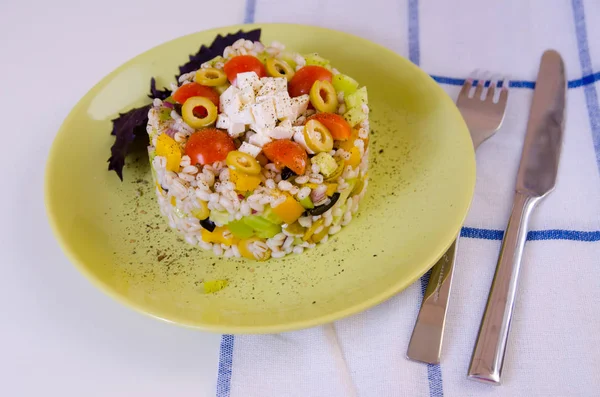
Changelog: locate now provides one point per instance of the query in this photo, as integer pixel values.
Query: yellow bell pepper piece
(160, 189)
(244, 182)
(317, 237)
(354, 160)
(245, 251)
(167, 147)
(173, 201)
(221, 235)
(331, 189)
(311, 230)
(289, 211)
(203, 212)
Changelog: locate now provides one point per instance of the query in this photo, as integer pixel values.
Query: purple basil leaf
(125, 128)
(155, 93)
(217, 47)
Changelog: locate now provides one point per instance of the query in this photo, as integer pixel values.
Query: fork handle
(488, 355)
(426, 340)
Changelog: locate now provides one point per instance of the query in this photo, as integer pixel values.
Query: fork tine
(503, 95)
(466, 88)
(479, 89)
(491, 91)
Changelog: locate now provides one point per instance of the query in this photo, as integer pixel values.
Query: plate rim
(320, 319)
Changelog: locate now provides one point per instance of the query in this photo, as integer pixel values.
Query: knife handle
(488, 355)
(426, 341)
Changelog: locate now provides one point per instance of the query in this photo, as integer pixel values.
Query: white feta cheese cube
(259, 140)
(272, 85)
(286, 123)
(230, 100)
(247, 95)
(299, 106)
(282, 131)
(236, 129)
(250, 149)
(283, 105)
(244, 115)
(265, 116)
(223, 121)
(299, 138)
(248, 80)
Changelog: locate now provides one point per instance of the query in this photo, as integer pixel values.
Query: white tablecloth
(61, 336)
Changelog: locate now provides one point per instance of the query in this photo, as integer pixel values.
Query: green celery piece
(263, 56)
(256, 222)
(344, 83)
(307, 203)
(262, 227)
(222, 88)
(221, 217)
(214, 286)
(216, 59)
(164, 114)
(326, 163)
(289, 59)
(316, 59)
(356, 99)
(346, 193)
(240, 230)
(271, 232)
(354, 116)
(271, 216)
(179, 213)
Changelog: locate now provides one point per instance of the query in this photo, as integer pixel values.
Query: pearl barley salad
(261, 152)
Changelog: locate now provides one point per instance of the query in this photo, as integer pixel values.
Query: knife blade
(543, 140)
(535, 179)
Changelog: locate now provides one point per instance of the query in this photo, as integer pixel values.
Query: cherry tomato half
(241, 64)
(285, 153)
(208, 145)
(305, 77)
(338, 127)
(194, 89)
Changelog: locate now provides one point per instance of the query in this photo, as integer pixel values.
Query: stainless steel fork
(483, 116)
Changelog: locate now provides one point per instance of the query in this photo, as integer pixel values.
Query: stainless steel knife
(535, 179)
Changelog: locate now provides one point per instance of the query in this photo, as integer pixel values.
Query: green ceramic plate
(422, 179)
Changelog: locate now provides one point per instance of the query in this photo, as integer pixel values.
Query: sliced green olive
(323, 96)
(211, 77)
(317, 137)
(198, 112)
(243, 162)
(279, 68)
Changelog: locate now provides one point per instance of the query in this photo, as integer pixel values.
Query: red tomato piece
(194, 89)
(285, 153)
(305, 77)
(208, 145)
(336, 124)
(241, 64)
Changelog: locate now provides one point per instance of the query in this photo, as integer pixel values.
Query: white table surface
(60, 335)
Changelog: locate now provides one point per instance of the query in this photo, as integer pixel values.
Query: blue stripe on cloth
(250, 11)
(414, 50)
(225, 366)
(434, 371)
(534, 235)
(586, 80)
(591, 95)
